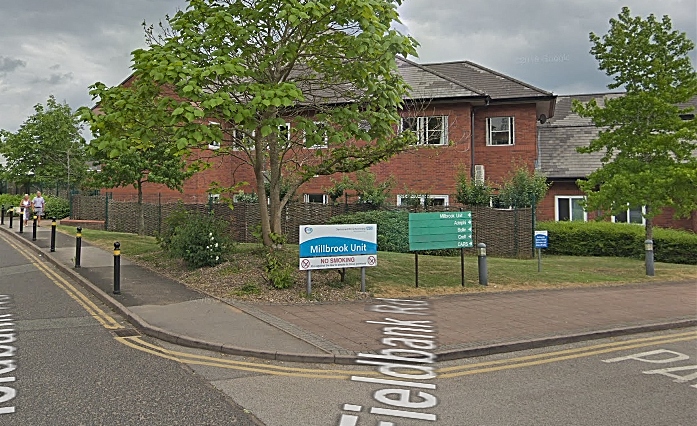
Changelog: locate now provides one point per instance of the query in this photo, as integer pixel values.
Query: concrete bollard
(648, 248)
(483, 272)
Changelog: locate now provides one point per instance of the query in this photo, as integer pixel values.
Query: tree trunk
(261, 190)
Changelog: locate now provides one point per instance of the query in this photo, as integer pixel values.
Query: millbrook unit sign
(338, 246)
(441, 230)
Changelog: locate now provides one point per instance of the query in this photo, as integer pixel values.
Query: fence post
(159, 213)
(106, 212)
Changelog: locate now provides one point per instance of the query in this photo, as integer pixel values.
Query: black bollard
(21, 221)
(12, 213)
(483, 273)
(53, 234)
(117, 268)
(2, 215)
(78, 246)
(33, 231)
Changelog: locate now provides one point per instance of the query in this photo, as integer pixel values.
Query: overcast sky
(60, 47)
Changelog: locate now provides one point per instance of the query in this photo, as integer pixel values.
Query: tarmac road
(63, 364)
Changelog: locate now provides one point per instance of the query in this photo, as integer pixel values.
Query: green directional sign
(441, 230)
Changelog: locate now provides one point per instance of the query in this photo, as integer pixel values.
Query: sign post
(338, 246)
(541, 241)
(440, 230)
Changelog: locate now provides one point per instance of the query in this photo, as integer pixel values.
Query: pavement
(466, 325)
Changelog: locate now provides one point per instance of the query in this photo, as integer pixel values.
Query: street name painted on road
(338, 246)
(441, 230)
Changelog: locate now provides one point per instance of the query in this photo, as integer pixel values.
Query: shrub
(393, 227)
(56, 207)
(200, 240)
(174, 220)
(618, 240)
(472, 193)
(9, 201)
(523, 188)
(279, 272)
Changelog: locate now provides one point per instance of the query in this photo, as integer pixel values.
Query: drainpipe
(486, 104)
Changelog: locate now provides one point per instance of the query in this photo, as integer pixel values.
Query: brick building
(467, 118)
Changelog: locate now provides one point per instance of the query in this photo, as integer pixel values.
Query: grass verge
(242, 275)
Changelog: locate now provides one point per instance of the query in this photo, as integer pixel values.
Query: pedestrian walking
(38, 203)
(26, 204)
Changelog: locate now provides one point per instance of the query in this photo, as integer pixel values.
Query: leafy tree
(472, 193)
(523, 188)
(648, 149)
(366, 186)
(325, 66)
(134, 139)
(47, 148)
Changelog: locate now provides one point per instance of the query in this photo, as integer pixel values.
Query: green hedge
(55, 206)
(393, 230)
(619, 240)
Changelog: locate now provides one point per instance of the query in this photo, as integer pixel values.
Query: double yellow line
(92, 309)
(138, 343)
(563, 355)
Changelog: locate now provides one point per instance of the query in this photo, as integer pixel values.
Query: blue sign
(541, 239)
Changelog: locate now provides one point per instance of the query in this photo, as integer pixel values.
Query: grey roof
(494, 84)
(427, 84)
(565, 131)
(463, 79)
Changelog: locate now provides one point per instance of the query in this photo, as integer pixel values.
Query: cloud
(10, 64)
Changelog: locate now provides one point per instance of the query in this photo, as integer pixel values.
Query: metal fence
(506, 232)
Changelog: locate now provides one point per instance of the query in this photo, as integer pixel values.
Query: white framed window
(633, 215)
(433, 200)
(316, 198)
(500, 131)
(568, 208)
(429, 130)
(241, 139)
(213, 198)
(214, 145)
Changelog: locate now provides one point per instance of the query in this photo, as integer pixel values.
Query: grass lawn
(242, 275)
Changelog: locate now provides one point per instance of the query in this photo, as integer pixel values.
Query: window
(213, 198)
(316, 198)
(433, 200)
(632, 215)
(242, 139)
(214, 145)
(429, 130)
(568, 208)
(499, 131)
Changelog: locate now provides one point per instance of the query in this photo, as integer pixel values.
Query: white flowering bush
(201, 241)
